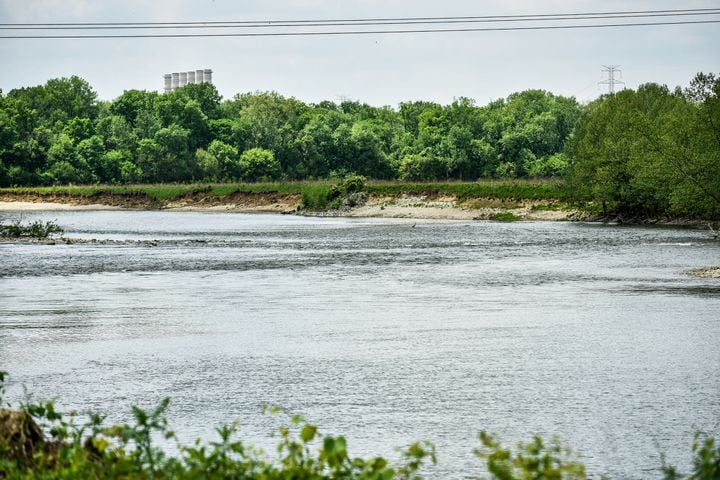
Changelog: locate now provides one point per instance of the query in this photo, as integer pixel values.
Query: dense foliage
(652, 151)
(93, 450)
(59, 133)
(648, 152)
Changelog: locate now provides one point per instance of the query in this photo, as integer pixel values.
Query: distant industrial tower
(180, 79)
(611, 80)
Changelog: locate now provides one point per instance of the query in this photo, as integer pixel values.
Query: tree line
(60, 133)
(652, 150)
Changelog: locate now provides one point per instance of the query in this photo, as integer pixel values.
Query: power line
(214, 25)
(697, 11)
(361, 32)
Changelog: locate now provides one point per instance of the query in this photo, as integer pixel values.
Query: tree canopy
(652, 150)
(60, 133)
(647, 151)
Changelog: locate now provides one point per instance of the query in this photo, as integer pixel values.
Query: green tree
(133, 104)
(369, 156)
(173, 161)
(208, 165)
(117, 133)
(64, 163)
(422, 167)
(152, 159)
(112, 163)
(58, 101)
(648, 152)
(227, 158)
(259, 164)
(206, 96)
(79, 129)
(130, 172)
(196, 123)
(91, 150)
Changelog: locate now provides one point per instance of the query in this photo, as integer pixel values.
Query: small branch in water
(715, 233)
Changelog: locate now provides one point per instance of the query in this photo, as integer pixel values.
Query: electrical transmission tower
(611, 81)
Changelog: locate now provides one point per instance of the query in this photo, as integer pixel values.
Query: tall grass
(515, 190)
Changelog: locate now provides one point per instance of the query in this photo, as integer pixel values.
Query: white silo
(191, 77)
(183, 79)
(168, 82)
(207, 75)
(175, 81)
(199, 76)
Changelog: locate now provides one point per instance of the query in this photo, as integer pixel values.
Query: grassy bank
(158, 192)
(316, 195)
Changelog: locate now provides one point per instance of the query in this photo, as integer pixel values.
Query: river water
(386, 331)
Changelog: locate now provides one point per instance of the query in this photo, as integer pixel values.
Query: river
(385, 331)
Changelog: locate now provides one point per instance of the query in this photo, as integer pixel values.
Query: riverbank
(542, 200)
(529, 200)
(404, 206)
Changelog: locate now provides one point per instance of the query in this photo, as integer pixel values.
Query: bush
(34, 230)
(259, 164)
(348, 185)
(504, 217)
(535, 460)
(349, 192)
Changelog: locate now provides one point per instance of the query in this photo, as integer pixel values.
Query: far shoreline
(354, 197)
(417, 207)
(420, 207)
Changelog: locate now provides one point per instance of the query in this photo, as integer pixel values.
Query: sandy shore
(419, 207)
(448, 208)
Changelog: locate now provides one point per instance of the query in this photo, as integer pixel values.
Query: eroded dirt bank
(400, 206)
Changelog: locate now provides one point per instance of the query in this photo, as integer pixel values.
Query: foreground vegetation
(650, 152)
(38, 442)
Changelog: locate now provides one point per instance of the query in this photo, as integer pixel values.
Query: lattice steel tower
(611, 80)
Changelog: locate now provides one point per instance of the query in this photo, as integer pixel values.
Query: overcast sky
(378, 69)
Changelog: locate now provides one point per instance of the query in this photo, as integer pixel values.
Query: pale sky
(377, 69)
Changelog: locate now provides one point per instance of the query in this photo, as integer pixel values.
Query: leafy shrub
(38, 442)
(36, 229)
(348, 185)
(258, 164)
(706, 461)
(536, 460)
(348, 192)
(504, 217)
(92, 450)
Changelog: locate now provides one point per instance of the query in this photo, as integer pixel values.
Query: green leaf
(308, 433)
